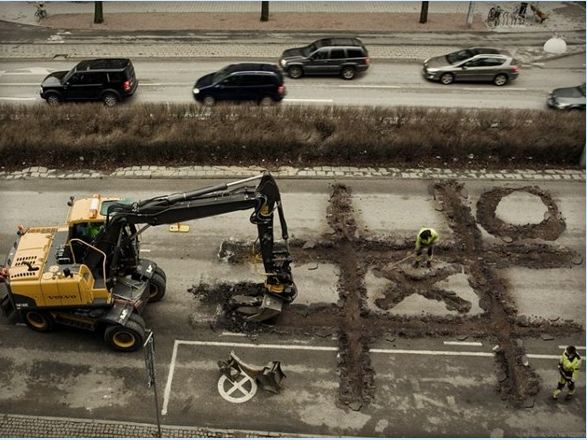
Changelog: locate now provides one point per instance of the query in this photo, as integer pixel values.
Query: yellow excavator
(89, 274)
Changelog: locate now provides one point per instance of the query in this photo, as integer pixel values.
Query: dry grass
(73, 136)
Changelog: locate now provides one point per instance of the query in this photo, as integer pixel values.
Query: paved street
(385, 84)
(371, 347)
(78, 377)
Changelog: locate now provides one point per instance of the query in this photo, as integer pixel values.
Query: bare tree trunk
(424, 12)
(265, 11)
(470, 14)
(98, 14)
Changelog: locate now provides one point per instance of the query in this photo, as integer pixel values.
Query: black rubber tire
(266, 101)
(39, 321)
(161, 272)
(348, 73)
(126, 338)
(295, 72)
(447, 78)
(208, 101)
(500, 79)
(110, 99)
(53, 99)
(157, 287)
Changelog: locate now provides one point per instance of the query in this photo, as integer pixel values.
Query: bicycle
(41, 12)
(493, 18)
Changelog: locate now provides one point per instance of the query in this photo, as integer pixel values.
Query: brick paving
(208, 50)
(316, 172)
(35, 426)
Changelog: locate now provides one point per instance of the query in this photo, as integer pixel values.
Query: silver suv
(473, 64)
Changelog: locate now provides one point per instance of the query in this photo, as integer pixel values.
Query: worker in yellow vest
(425, 240)
(569, 364)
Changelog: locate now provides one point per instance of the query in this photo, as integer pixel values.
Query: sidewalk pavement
(328, 15)
(316, 172)
(262, 44)
(34, 426)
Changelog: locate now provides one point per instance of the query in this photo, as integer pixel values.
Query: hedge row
(72, 136)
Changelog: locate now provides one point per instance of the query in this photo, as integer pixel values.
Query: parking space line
(431, 352)
(167, 391)
(177, 343)
(578, 347)
(249, 345)
(476, 344)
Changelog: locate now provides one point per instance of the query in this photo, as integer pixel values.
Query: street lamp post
(149, 348)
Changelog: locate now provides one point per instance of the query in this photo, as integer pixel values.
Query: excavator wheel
(161, 272)
(128, 337)
(157, 285)
(39, 321)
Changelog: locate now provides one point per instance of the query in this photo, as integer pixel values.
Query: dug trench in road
(357, 327)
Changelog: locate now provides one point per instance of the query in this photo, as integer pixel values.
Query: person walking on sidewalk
(425, 240)
(568, 366)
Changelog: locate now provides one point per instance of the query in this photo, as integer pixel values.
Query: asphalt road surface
(428, 386)
(385, 84)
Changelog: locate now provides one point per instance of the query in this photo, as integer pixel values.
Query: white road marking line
(20, 84)
(477, 344)
(7, 98)
(543, 356)
(169, 378)
(146, 250)
(248, 345)
(578, 347)
(417, 87)
(232, 334)
(370, 86)
(306, 100)
(431, 352)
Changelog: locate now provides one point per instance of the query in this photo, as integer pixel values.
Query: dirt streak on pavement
(355, 253)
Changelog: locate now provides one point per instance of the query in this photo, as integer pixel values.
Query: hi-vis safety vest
(421, 242)
(570, 366)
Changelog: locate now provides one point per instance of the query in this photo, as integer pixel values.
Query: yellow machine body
(36, 275)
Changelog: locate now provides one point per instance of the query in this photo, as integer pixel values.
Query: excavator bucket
(271, 377)
(269, 308)
(268, 377)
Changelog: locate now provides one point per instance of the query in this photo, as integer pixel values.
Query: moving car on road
(329, 56)
(262, 83)
(567, 98)
(109, 80)
(474, 64)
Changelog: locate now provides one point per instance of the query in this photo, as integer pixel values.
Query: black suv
(262, 83)
(328, 56)
(109, 80)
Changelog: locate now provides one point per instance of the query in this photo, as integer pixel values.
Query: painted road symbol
(241, 390)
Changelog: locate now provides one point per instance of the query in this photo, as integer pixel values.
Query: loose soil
(357, 327)
(549, 229)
